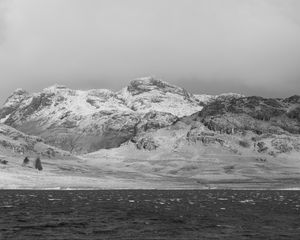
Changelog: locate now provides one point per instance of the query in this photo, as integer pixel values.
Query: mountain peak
(17, 96)
(229, 95)
(150, 80)
(20, 91)
(147, 84)
(55, 88)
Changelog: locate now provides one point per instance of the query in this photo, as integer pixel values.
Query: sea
(149, 214)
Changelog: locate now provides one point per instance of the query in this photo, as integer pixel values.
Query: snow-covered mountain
(83, 121)
(150, 94)
(153, 130)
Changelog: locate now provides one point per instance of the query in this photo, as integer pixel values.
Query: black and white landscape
(150, 134)
(149, 119)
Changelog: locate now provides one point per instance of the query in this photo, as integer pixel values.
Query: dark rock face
(196, 134)
(282, 145)
(20, 114)
(13, 102)
(261, 147)
(146, 143)
(137, 87)
(256, 114)
(155, 120)
(293, 99)
(294, 113)
(37, 103)
(247, 124)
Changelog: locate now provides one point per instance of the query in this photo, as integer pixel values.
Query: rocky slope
(270, 126)
(257, 114)
(16, 143)
(246, 142)
(85, 121)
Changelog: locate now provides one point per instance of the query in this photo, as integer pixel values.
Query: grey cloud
(207, 46)
(3, 9)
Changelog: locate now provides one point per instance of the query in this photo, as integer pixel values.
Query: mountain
(263, 125)
(152, 134)
(235, 142)
(85, 121)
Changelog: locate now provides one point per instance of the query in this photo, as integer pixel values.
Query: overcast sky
(206, 46)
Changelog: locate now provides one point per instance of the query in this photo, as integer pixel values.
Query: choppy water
(140, 214)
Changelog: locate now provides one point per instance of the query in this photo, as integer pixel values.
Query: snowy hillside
(14, 142)
(149, 94)
(84, 121)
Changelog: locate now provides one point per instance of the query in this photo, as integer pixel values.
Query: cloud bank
(206, 46)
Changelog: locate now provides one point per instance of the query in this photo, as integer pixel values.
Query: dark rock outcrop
(257, 114)
(146, 143)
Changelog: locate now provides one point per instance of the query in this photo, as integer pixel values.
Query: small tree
(25, 161)
(4, 162)
(38, 164)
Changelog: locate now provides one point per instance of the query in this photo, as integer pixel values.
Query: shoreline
(149, 189)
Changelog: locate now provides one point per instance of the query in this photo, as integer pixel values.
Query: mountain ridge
(152, 134)
(98, 118)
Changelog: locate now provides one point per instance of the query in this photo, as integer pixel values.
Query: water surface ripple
(149, 214)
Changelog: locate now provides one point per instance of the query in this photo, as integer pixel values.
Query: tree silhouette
(25, 161)
(38, 164)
